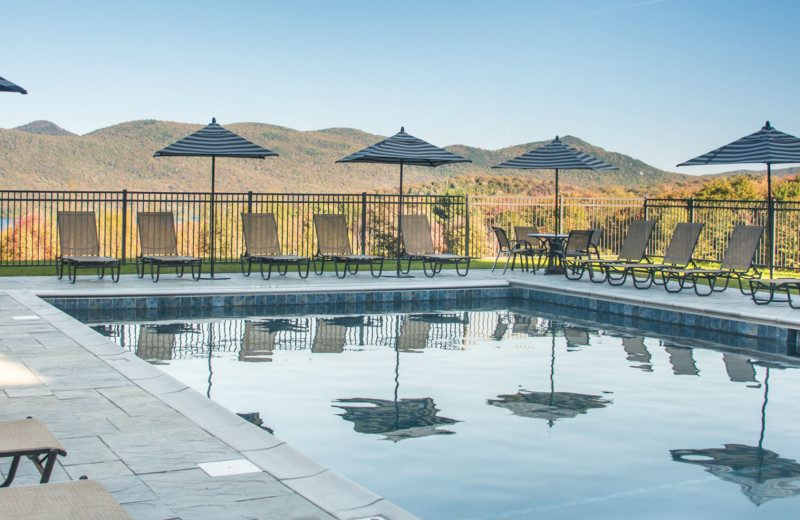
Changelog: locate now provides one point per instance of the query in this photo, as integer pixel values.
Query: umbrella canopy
(7, 86)
(214, 141)
(404, 149)
(556, 155)
(765, 146)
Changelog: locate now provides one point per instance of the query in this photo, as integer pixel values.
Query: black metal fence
(460, 224)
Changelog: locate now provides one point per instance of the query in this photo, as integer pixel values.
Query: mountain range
(43, 156)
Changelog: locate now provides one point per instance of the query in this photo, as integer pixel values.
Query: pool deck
(144, 435)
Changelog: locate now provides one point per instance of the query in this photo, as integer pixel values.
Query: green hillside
(121, 156)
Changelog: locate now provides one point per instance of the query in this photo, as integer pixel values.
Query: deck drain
(225, 468)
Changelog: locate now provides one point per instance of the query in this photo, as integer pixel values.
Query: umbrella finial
(767, 125)
(213, 120)
(402, 129)
(556, 138)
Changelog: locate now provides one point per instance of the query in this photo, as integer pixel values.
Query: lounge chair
(415, 233)
(521, 249)
(414, 333)
(633, 250)
(80, 249)
(789, 287)
(678, 256)
(159, 246)
(261, 245)
(74, 500)
(28, 438)
(333, 244)
(737, 262)
(574, 252)
(330, 337)
(258, 342)
(156, 343)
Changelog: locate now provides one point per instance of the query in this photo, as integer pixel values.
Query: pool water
(503, 413)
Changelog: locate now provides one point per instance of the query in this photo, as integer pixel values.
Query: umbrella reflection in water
(551, 405)
(400, 418)
(761, 473)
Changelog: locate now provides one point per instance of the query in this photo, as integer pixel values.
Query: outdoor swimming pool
(503, 412)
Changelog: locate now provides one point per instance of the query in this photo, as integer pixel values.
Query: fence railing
(460, 224)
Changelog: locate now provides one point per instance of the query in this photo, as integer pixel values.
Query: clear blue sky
(660, 80)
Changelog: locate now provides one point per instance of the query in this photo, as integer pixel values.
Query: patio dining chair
(633, 250)
(80, 248)
(521, 249)
(29, 438)
(539, 248)
(575, 251)
(415, 233)
(737, 263)
(262, 246)
(333, 244)
(158, 246)
(677, 256)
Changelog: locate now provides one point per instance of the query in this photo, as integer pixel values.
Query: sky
(660, 80)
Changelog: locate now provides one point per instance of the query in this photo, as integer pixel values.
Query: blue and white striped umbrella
(404, 149)
(556, 155)
(765, 146)
(214, 141)
(7, 86)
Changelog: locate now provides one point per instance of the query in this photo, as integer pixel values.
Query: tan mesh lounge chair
(333, 244)
(159, 246)
(575, 250)
(74, 500)
(634, 248)
(28, 438)
(678, 256)
(737, 262)
(788, 287)
(415, 232)
(77, 236)
(261, 245)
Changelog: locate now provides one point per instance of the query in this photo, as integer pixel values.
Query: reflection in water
(682, 361)
(740, 369)
(552, 405)
(637, 353)
(157, 341)
(762, 474)
(400, 419)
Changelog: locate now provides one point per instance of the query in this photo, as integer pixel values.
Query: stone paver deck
(142, 434)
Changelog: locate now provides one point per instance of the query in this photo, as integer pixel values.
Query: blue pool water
(504, 413)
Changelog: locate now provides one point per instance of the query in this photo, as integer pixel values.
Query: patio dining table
(555, 243)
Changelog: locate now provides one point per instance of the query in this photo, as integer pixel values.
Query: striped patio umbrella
(214, 141)
(404, 149)
(7, 86)
(556, 155)
(765, 146)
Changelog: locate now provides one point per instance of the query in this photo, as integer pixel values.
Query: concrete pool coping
(101, 400)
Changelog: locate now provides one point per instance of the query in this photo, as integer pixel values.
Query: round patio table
(555, 243)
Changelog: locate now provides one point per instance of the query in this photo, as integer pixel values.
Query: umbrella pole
(399, 216)
(557, 229)
(213, 168)
(771, 222)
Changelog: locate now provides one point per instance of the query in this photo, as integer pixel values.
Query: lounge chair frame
(677, 256)
(737, 263)
(262, 246)
(333, 245)
(32, 439)
(158, 244)
(774, 287)
(415, 234)
(633, 250)
(80, 248)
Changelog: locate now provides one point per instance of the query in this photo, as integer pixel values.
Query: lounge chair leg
(300, 271)
(12, 471)
(465, 271)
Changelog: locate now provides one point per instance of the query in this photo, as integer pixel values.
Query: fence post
(249, 201)
(645, 208)
(363, 222)
(124, 224)
(691, 210)
(560, 214)
(466, 212)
